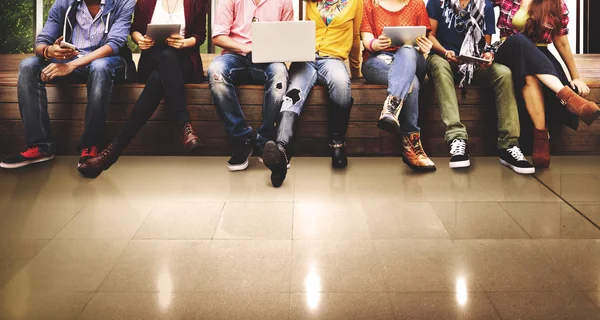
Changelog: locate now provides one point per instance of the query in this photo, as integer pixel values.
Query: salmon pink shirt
(234, 17)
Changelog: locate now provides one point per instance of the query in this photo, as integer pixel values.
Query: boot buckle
(337, 145)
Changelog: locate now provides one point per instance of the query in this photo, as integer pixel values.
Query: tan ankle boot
(413, 154)
(541, 148)
(586, 110)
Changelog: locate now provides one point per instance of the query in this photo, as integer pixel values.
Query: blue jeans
(402, 71)
(230, 69)
(33, 99)
(329, 72)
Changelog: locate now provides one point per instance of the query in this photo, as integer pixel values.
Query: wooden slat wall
(161, 135)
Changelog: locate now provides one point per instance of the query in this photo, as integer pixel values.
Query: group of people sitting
(519, 68)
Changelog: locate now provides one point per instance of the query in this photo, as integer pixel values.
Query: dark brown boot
(93, 167)
(586, 110)
(541, 148)
(190, 139)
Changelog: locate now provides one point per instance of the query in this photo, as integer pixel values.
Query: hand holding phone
(57, 51)
(64, 44)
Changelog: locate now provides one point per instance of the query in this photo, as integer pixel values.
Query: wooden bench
(161, 136)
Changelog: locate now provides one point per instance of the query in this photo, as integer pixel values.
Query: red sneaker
(27, 157)
(88, 153)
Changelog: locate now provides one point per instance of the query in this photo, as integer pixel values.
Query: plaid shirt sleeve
(565, 20)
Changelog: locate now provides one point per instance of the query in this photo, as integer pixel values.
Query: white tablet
(401, 36)
(472, 59)
(159, 32)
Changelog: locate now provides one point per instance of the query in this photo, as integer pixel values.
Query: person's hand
(145, 43)
(424, 44)
(487, 56)
(580, 87)
(54, 70)
(381, 43)
(56, 52)
(176, 41)
(451, 57)
(246, 48)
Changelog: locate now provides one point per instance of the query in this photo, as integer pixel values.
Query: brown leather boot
(93, 167)
(413, 154)
(190, 139)
(586, 110)
(541, 148)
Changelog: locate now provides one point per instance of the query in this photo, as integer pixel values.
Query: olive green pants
(498, 77)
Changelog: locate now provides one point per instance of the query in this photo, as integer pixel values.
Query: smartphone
(64, 44)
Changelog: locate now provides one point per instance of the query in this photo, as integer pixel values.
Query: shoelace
(458, 147)
(418, 148)
(391, 106)
(188, 129)
(516, 153)
(88, 150)
(110, 149)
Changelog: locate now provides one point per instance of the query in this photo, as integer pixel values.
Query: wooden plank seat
(162, 137)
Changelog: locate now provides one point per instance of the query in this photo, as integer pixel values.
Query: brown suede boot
(541, 148)
(190, 139)
(413, 154)
(586, 110)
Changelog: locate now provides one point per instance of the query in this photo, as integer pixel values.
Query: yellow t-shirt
(520, 19)
(341, 38)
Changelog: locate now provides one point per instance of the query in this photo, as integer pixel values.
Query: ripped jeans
(329, 72)
(402, 71)
(227, 71)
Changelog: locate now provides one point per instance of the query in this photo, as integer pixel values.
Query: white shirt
(177, 16)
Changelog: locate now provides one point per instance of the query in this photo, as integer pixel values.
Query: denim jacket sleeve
(54, 25)
(119, 29)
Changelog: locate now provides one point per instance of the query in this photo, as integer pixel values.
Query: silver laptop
(283, 41)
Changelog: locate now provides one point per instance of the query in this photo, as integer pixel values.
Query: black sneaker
(29, 156)
(242, 150)
(277, 160)
(459, 153)
(514, 158)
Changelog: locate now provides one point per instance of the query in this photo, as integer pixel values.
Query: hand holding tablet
(159, 33)
(405, 36)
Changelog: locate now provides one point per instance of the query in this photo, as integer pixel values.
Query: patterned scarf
(474, 42)
(329, 9)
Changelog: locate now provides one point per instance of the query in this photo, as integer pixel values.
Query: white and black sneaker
(514, 159)
(459, 153)
(242, 150)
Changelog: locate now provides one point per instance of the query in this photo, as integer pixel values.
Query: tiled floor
(183, 238)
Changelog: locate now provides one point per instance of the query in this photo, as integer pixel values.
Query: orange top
(375, 17)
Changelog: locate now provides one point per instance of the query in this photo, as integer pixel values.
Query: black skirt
(524, 58)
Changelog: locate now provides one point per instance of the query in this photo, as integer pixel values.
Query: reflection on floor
(183, 238)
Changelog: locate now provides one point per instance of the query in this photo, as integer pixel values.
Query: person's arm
(119, 27)
(201, 10)
(354, 56)
(287, 13)
(52, 29)
(437, 46)
(222, 28)
(231, 45)
(561, 42)
(370, 43)
(55, 70)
